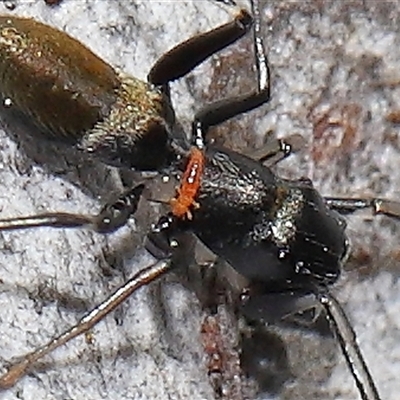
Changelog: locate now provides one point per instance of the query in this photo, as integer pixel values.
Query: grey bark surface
(335, 80)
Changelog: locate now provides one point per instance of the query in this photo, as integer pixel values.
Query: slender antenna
(346, 336)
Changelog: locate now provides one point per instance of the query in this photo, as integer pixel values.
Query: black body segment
(272, 231)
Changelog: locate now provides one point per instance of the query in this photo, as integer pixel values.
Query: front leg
(19, 368)
(163, 235)
(112, 216)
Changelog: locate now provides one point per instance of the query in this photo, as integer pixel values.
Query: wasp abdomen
(53, 78)
(72, 95)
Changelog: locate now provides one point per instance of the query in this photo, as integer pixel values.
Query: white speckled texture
(335, 78)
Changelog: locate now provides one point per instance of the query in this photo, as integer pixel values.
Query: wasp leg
(111, 217)
(346, 337)
(222, 110)
(276, 150)
(142, 278)
(345, 205)
(164, 237)
(183, 58)
(265, 308)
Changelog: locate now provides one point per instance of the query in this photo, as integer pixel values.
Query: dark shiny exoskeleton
(275, 232)
(282, 236)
